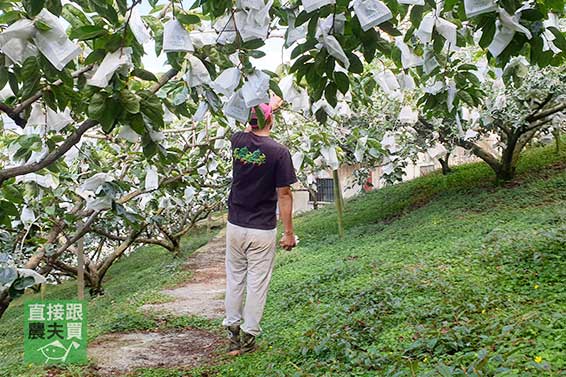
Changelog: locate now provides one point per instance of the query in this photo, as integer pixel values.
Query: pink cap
(267, 112)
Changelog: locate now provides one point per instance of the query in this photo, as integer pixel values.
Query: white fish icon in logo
(56, 351)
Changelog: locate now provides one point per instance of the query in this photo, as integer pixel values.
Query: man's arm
(286, 213)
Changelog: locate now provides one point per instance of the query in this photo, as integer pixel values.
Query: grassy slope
(130, 283)
(434, 276)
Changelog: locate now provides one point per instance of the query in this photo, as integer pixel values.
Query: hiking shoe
(248, 343)
(234, 336)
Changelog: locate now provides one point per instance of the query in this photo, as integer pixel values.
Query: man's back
(260, 165)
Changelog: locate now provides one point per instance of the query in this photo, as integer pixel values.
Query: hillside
(438, 276)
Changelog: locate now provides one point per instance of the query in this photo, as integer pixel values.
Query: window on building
(324, 190)
(427, 169)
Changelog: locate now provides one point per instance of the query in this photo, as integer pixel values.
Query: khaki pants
(250, 254)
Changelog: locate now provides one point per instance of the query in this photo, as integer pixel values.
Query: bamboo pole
(339, 200)
(80, 269)
(557, 140)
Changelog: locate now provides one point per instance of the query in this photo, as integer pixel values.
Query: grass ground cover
(440, 276)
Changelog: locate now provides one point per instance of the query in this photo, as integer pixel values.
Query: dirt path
(203, 295)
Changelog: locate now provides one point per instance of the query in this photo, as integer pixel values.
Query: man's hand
(275, 102)
(285, 198)
(288, 241)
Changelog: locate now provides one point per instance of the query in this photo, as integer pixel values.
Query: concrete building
(305, 200)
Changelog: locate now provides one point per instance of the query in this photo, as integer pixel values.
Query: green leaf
(130, 101)
(12, 194)
(370, 49)
(87, 32)
(330, 94)
(390, 29)
(416, 15)
(13, 81)
(54, 6)
(466, 97)
(257, 54)
(144, 75)
(152, 108)
(253, 44)
(96, 106)
(149, 149)
(321, 116)
(300, 63)
(260, 116)
(467, 67)
(9, 208)
(308, 45)
(4, 76)
(74, 16)
(356, 65)
(187, 19)
(22, 283)
(112, 109)
(342, 82)
(33, 7)
(106, 10)
(274, 86)
(114, 42)
(29, 72)
(10, 17)
(41, 25)
(95, 57)
(302, 18)
(488, 32)
(7, 275)
(137, 124)
(559, 40)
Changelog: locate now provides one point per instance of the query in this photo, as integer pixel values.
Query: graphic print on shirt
(245, 156)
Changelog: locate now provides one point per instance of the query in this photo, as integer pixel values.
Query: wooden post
(42, 288)
(80, 269)
(557, 140)
(209, 222)
(339, 200)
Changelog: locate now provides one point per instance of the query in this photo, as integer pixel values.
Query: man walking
(262, 175)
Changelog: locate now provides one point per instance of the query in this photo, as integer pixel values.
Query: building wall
(423, 166)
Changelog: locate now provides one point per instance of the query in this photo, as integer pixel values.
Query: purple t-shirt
(260, 165)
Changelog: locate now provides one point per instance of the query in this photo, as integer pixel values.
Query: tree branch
(21, 107)
(490, 159)
(553, 110)
(73, 139)
(540, 107)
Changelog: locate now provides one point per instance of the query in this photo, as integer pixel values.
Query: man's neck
(261, 132)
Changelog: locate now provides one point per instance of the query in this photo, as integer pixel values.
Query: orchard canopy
(95, 146)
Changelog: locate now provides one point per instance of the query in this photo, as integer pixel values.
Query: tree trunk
(512, 153)
(103, 267)
(445, 166)
(312, 193)
(176, 244)
(5, 300)
(478, 151)
(506, 172)
(557, 140)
